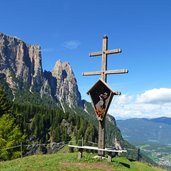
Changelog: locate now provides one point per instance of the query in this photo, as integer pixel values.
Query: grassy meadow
(64, 161)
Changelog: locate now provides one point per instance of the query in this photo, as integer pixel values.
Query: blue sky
(70, 30)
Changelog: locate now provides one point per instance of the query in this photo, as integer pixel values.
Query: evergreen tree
(5, 106)
(10, 134)
(56, 134)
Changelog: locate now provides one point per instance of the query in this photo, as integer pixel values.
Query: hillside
(164, 120)
(45, 106)
(138, 131)
(151, 136)
(63, 161)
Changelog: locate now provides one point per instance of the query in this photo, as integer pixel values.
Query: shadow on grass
(124, 164)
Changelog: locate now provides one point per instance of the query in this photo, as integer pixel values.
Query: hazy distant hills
(162, 120)
(139, 131)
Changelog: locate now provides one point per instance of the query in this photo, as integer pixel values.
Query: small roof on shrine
(101, 85)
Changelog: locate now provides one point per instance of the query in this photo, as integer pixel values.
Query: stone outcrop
(21, 63)
(67, 89)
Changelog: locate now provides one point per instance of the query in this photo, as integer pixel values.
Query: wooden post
(104, 58)
(109, 158)
(138, 154)
(101, 137)
(21, 148)
(104, 72)
(80, 153)
(82, 141)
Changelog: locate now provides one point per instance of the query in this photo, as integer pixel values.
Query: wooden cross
(104, 53)
(104, 72)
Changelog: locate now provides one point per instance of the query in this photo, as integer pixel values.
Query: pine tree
(10, 134)
(56, 134)
(5, 105)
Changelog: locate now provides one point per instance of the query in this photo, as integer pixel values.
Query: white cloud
(155, 96)
(72, 44)
(124, 99)
(150, 104)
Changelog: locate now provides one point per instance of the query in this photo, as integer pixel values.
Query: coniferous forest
(30, 123)
(41, 127)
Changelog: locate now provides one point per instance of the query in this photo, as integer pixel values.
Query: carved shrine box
(101, 96)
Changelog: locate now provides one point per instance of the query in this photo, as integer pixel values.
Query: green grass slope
(64, 161)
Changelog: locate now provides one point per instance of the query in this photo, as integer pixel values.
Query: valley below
(161, 154)
(151, 136)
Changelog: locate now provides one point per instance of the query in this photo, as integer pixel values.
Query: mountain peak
(67, 89)
(62, 70)
(59, 63)
(21, 64)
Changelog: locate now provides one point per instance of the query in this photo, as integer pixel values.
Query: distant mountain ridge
(164, 120)
(142, 130)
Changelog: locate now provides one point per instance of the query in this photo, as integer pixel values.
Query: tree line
(30, 123)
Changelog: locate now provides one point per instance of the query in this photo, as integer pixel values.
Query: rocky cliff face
(21, 63)
(67, 89)
(22, 66)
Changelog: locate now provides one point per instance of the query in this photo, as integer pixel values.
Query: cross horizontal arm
(120, 71)
(91, 73)
(95, 54)
(92, 54)
(113, 51)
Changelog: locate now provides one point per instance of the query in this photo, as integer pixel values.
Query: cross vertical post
(101, 137)
(101, 132)
(104, 58)
(104, 72)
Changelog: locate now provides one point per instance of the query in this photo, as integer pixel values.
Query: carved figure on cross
(101, 104)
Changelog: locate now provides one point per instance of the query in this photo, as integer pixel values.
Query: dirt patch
(101, 166)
